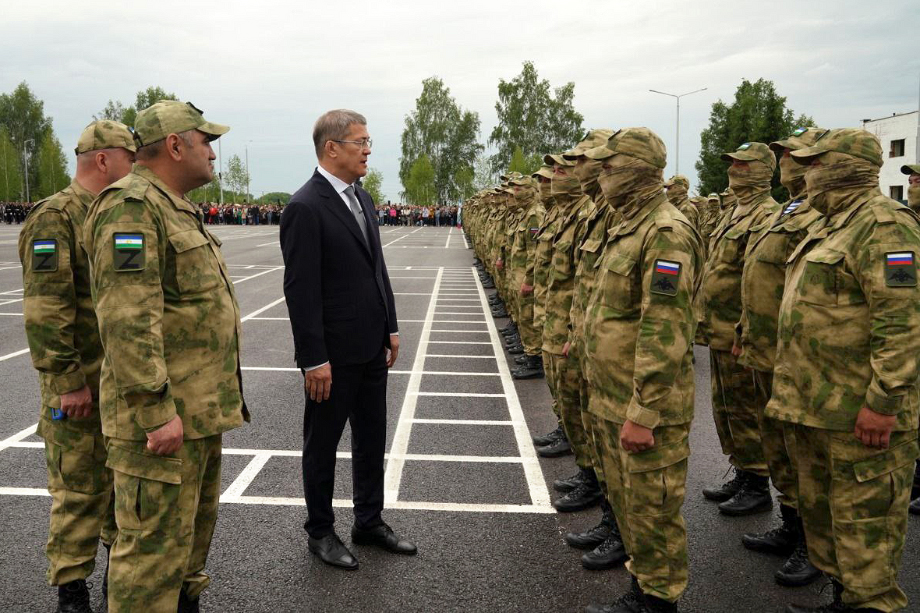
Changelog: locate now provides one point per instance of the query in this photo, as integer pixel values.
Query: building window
(897, 148)
(896, 191)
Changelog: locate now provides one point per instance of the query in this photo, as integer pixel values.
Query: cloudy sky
(269, 69)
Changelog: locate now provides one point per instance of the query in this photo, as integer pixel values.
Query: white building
(899, 134)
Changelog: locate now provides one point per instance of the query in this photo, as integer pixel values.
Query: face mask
(566, 185)
(792, 176)
(837, 178)
(913, 197)
(676, 194)
(546, 193)
(587, 172)
(629, 180)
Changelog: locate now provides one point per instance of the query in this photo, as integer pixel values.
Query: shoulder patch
(44, 255)
(128, 252)
(665, 277)
(900, 269)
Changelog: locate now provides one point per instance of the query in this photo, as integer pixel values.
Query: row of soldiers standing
(810, 310)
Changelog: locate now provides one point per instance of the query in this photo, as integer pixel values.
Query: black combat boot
(634, 601)
(186, 604)
(592, 537)
(510, 329)
(609, 554)
(727, 489)
(753, 497)
(488, 284)
(512, 339)
(521, 359)
(556, 449)
(531, 369)
(494, 299)
(73, 597)
(798, 571)
(836, 606)
(516, 349)
(549, 438)
(585, 495)
(780, 540)
(105, 577)
(499, 312)
(570, 483)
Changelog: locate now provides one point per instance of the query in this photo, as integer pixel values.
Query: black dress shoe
(728, 489)
(383, 536)
(549, 437)
(332, 551)
(556, 449)
(609, 554)
(753, 497)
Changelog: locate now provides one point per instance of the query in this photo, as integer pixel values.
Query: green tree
(281, 198)
(757, 114)
(209, 192)
(23, 115)
(236, 177)
(444, 133)
(524, 165)
(484, 176)
(373, 185)
(532, 117)
(52, 167)
(115, 110)
(420, 186)
(10, 173)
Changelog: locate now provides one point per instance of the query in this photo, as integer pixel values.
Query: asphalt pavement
(463, 479)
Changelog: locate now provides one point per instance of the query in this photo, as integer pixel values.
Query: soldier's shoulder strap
(130, 187)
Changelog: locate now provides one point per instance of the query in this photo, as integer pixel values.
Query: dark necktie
(355, 207)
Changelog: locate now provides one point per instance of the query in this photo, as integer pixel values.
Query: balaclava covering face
(751, 182)
(836, 179)
(587, 171)
(792, 176)
(628, 182)
(913, 196)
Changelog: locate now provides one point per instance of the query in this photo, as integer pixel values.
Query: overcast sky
(269, 69)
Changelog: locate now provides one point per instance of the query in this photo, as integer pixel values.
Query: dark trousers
(358, 395)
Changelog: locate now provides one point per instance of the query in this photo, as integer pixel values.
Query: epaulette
(665, 224)
(883, 210)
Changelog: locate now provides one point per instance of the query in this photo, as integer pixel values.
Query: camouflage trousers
(778, 440)
(82, 505)
(853, 502)
(646, 491)
(531, 337)
(548, 367)
(736, 404)
(567, 376)
(588, 419)
(166, 508)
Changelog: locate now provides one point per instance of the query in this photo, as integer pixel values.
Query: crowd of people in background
(414, 215)
(213, 213)
(14, 212)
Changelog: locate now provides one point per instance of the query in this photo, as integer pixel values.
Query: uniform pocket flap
(66, 438)
(736, 232)
(824, 257)
(886, 462)
(591, 245)
(562, 245)
(189, 239)
(621, 264)
(659, 457)
(144, 466)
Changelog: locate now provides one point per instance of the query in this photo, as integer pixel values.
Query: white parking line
(258, 274)
(11, 441)
(465, 422)
(400, 238)
(14, 354)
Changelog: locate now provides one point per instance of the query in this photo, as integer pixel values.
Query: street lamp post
(677, 147)
(26, 154)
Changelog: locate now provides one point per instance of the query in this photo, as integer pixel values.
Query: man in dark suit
(345, 334)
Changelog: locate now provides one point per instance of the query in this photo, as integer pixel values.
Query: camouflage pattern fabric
(567, 378)
(105, 134)
(172, 117)
(737, 405)
(66, 350)
(778, 443)
(166, 508)
(647, 490)
(523, 254)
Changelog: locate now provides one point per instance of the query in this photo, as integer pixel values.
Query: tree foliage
(10, 173)
(23, 116)
(117, 111)
(52, 167)
(524, 165)
(281, 198)
(757, 114)
(373, 185)
(420, 184)
(533, 117)
(237, 178)
(446, 135)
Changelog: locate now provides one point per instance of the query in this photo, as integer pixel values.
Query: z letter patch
(665, 277)
(900, 270)
(44, 255)
(128, 252)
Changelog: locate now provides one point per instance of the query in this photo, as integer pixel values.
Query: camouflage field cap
(167, 117)
(715, 196)
(545, 171)
(594, 138)
(639, 143)
(801, 138)
(105, 134)
(678, 180)
(752, 152)
(911, 169)
(849, 141)
(556, 158)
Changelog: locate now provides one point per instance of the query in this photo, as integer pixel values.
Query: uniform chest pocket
(773, 249)
(822, 279)
(617, 283)
(196, 270)
(729, 246)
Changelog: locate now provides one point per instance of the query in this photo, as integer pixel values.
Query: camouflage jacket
(560, 284)
(525, 242)
(542, 257)
(58, 310)
(764, 278)
(720, 294)
(639, 326)
(168, 316)
(849, 322)
(590, 246)
(690, 212)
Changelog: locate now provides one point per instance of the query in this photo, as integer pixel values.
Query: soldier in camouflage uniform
(735, 397)
(762, 283)
(676, 188)
(913, 201)
(847, 363)
(67, 352)
(639, 330)
(171, 381)
(709, 217)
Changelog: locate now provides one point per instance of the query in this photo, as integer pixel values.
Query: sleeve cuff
(883, 405)
(309, 368)
(638, 414)
(69, 382)
(153, 411)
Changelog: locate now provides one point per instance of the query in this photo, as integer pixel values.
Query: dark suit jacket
(336, 286)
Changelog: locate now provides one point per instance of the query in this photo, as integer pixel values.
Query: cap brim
(781, 145)
(600, 153)
(741, 156)
(804, 156)
(554, 158)
(214, 130)
(907, 169)
(573, 154)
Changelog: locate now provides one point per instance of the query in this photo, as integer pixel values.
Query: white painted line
(447, 244)
(9, 442)
(258, 274)
(465, 422)
(539, 495)
(13, 355)
(263, 309)
(425, 278)
(12, 314)
(5, 302)
(461, 342)
(269, 318)
(458, 300)
(23, 491)
(465, 242)
(471, 357)
(440, 373)
(400, 238)
(451, 507)
(246, 477)
(454, 321)
(459, 394)
(400, 445)
(409, 294)
(267, 244)
(10, 267)
(464, 331)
